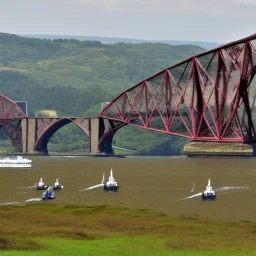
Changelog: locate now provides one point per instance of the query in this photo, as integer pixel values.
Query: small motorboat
(40, 185)
(48, 194)
(57, 185)
(209, 193)
(111, 184)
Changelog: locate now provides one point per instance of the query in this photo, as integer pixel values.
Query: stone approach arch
(47, 127)
(38, 131)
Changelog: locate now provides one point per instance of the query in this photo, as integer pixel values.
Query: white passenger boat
(19, 161)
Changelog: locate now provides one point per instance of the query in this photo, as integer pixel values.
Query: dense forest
(74, 77)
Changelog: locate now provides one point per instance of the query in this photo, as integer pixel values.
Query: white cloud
(206, 20)
(108, 5)
(245, 2)
(169, 7)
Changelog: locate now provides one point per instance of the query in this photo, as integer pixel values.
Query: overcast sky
(193, 20)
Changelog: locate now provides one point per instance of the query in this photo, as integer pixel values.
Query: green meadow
(47, 229)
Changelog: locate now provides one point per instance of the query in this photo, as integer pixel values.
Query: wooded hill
(115, 40)
(74, 77)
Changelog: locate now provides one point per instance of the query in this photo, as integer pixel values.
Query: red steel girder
(9, 109)
(210, 96)
(10, 116)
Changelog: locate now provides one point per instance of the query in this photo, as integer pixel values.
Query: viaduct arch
(36, 132)
(46, 128)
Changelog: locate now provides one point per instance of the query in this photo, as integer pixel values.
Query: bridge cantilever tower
(10, 119)
(208, 97)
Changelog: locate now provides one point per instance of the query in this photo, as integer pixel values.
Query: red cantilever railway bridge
(208, 97)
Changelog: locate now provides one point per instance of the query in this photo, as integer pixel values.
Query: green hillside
(114, 40)
(73, 77)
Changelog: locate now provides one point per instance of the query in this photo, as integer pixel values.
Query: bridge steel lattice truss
(210, 97)
(10, 119)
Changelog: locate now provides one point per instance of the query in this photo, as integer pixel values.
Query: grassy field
(46, 229)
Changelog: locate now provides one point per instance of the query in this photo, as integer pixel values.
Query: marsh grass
(42, 229)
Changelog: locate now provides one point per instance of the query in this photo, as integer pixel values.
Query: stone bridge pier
(36, 133)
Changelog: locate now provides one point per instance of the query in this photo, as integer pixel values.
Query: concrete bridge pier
(94, 135)
(100, 136)
(28, 127)
(106, 134)
(207, 148)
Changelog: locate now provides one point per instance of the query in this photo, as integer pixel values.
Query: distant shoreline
(114, 40)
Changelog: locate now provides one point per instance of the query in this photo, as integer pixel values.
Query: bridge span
(208, 97)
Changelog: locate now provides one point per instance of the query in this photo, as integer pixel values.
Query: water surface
(157, 183)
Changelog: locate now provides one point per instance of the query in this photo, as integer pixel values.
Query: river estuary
(157, 183)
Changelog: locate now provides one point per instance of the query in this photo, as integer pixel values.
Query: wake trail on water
(195, 195)
(193, 188)
(226, 188)
(22, 203)
(33, 200)
(92, 187)
(10, 203)
(29, 187)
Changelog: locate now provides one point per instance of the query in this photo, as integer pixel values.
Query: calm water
(145, 182)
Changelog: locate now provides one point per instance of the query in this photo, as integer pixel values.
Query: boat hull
(48, 197)
(209, 196)
(58, 187)
(13, 165)
(111, 188)
(42, 188)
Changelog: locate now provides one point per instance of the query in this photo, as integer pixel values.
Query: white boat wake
(92, 187)
(193, 188)
(195, 195)
(20, 193)
(96, 186)
(22, 203)
(33, 200)
(29, 187)
(226, 188)
(10, 203)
